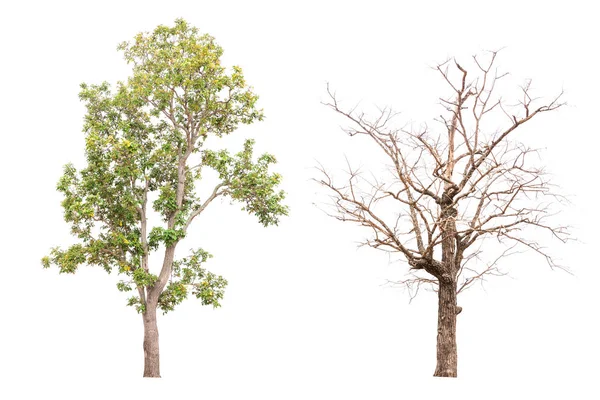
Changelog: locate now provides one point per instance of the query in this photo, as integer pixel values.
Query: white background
(306, 314)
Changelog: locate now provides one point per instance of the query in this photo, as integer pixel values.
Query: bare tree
(449, 189)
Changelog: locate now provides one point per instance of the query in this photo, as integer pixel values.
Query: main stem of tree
(151, 351)
(446, 337)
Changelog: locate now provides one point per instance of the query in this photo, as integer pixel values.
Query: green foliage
(250, 182)
(173, 295)
(180, 58)
(134, 301)
(67, 260)
(140, 136)
(168, 237)
(189, 273)
(124, 286)
(143, 278)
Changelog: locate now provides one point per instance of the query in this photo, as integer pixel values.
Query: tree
(449, 188)
(145, 142)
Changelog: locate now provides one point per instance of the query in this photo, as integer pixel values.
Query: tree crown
(144, 142)
(450, 187)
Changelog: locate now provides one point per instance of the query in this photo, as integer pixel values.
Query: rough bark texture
(447, 357)
(446, 338)
(151, 351)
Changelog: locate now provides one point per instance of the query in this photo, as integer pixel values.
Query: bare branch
(447, 192)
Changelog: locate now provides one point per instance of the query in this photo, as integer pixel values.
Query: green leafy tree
(145, 143)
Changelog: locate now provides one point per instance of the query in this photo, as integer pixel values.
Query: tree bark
(447, 356)
(446, 338)
(151, 351)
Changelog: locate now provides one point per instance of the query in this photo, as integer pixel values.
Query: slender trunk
(446, 337)
(151, 352)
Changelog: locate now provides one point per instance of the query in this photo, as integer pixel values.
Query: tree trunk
(446, 337)
(151, 352)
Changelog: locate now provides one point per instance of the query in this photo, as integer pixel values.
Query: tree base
(445, 374)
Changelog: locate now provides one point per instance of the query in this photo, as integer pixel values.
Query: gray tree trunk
(151, 351)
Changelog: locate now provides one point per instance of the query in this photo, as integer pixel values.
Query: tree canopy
(145, 142)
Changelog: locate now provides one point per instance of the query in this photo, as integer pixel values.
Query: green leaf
(143, 278)
(144, 147)
(250, 182)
